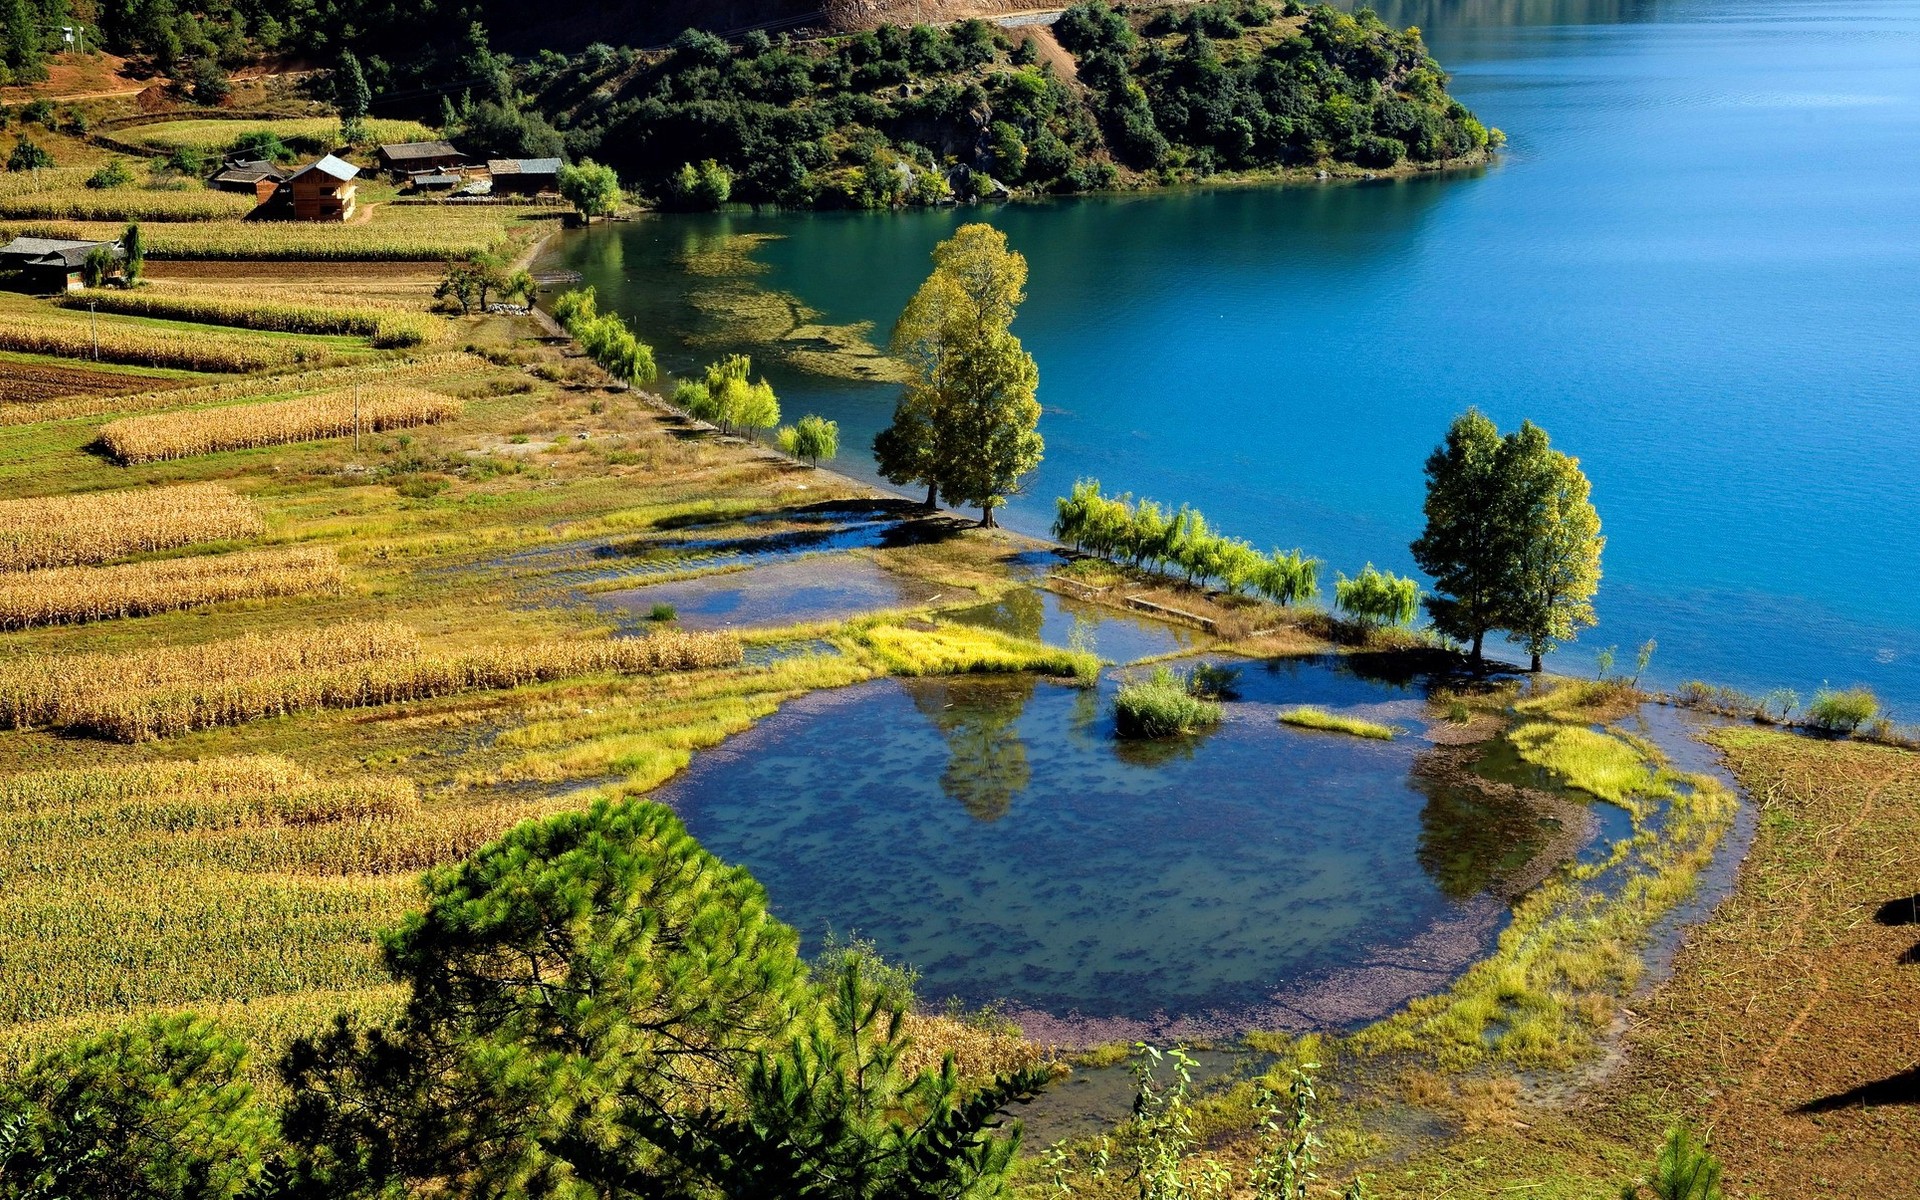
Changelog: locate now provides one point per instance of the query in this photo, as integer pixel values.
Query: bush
(113, 175)
(1161, 705)
(1844, 711)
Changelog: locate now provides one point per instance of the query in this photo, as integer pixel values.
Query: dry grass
(162, 436)
(70, 595)
(98, 527)
(162, 692)
(980, 1050)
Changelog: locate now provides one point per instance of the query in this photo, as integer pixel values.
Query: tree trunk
(1536, 663)
(1479, 664)
(986, 518)
(932, 497)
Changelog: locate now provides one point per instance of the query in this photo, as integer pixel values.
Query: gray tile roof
(49, 252)
(523, 166)
(329, 166)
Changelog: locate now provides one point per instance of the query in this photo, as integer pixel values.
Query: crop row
(162, 692)
(218, 134)
(388, 235)
(97, 527)
(69, 595)
(70, 202)
(130, 887)
(159, 436)
(384, 326)
(80, 335)
(430, 367)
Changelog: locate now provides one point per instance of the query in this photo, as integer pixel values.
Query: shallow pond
(991, 831)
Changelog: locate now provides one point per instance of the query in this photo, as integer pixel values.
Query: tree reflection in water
(978, 716)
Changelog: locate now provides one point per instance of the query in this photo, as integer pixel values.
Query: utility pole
(93, 321)
(356, 418)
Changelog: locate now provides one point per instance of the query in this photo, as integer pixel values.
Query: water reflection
(978, 716)
(1471, 841)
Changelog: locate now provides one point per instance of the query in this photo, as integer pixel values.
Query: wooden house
(319, 191)
(241, 175)
(414, 158)
(524, 176)
(54, 265)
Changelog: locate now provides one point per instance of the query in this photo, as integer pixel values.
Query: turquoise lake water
(1698, 266)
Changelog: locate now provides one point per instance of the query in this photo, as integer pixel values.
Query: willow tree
(1556, 569)
(966, 424)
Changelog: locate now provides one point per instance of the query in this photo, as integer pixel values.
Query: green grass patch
(1309, 717)
(1162, 705)
(1599, 764)
(964, 649)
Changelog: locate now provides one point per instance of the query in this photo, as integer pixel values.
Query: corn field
(80, 335)
(385, 327)
(166, 691)
(160, 436)
(126, 888)
(97, 527)
(217, 134)
(77, 202)
(70, 595)
(391, 234)
(432, 366)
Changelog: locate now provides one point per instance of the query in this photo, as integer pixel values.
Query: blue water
(1696, 267)
(1002, 840)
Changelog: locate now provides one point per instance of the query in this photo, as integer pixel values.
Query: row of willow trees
(1149, 536)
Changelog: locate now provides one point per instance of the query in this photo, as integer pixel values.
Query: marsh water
(1695, 266)
(993, 832)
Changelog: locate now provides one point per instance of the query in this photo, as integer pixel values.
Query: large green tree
(352, 97)
(1548, 509)
(1466, 548)
(591, 188)
(966, 424)
(580, 974)
(156, 1110)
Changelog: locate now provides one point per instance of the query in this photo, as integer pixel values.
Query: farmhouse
(241, 175)
(319, 191)
(524, 176)
(53, 265)
(412, 158)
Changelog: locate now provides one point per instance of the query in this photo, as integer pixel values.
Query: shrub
(1161, 705)
(113, 175)
(1842, 711)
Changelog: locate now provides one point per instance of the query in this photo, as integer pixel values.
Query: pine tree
(352, 96)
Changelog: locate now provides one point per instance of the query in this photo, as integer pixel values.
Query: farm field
(289, 616)
(218, 134)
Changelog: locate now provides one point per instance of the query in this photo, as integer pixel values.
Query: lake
(1695, 266)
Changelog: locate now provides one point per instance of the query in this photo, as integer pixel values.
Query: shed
(431, 181)
(240, 175)
(408, 158)
(524, 176)
(319, 191)
(52, 264)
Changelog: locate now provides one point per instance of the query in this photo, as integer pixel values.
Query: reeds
(384, 326)
(98, 527)
(81, 335)
(162, 692)
(70, 595)
(161, 436)
(1161, 705)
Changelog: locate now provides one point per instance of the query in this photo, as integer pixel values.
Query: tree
(1464, 548)
(1684, 1171)
(1559, 542)
(135, 264)
(470, 280)
(591, 188)
(1375, 597)
(813, 439)
(20, 51)
(965, 426)
(702, 188)
(155, 1110)
(28, 156)
(586, 974)
(98, 265)
(833, 1115)
(352, 97)
(210, 83)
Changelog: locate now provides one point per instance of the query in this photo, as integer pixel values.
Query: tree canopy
(591, 188)
(965, 426)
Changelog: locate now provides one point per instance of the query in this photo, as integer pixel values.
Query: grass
(375, 409)
(1599, 764)
(1161, 705)
(1309, 717)
(70, 595)
(98, 527)
(965, 649)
